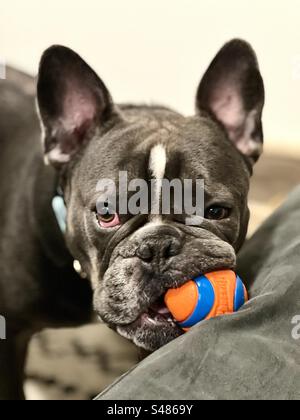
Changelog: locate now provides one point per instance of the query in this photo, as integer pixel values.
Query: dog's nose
(156, 249)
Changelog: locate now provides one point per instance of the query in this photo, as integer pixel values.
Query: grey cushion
(249, 355)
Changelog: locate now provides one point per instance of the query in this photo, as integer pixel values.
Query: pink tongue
(160, 308)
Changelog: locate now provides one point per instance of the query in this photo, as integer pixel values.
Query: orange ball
(209, 296)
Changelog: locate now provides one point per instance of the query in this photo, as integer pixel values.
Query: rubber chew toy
(209, 296)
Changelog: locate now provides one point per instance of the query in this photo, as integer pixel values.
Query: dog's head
(133, 259)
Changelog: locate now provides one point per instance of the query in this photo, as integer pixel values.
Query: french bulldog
(131, 260)
(38, 285)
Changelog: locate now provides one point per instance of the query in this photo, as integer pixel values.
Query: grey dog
(130, 260)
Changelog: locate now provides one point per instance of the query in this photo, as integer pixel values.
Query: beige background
(156, 50)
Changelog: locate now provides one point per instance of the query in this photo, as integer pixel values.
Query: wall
(156, 50)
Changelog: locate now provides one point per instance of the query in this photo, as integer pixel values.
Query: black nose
(159, 248)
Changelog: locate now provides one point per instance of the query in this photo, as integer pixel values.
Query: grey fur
(86, 140)
(125, 283)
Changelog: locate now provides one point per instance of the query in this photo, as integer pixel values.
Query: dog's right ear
(73, 102)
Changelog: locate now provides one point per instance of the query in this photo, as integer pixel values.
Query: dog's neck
(47, 228)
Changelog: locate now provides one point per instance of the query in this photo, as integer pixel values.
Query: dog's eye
(217, 213)
(107, 217)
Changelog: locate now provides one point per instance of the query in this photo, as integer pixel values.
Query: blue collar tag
(60, 212)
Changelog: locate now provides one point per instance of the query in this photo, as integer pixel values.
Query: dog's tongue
(159, 307)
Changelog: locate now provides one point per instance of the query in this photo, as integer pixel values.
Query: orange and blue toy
(209, 296)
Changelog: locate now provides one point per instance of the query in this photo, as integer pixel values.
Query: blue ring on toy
(206, 300)
(239, 299)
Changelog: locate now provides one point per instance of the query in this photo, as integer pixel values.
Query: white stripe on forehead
(157, 166)
(158, 161)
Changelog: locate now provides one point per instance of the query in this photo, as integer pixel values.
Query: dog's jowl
(131, 260)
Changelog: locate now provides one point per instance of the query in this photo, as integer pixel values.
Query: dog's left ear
(232, 92)
(73, 102)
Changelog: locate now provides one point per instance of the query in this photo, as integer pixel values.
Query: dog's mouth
(153, 329)
(158, 314)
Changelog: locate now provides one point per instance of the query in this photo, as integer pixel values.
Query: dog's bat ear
(232, 92)
(72, 102)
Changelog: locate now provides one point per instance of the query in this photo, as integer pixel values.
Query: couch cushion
(252, 354)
